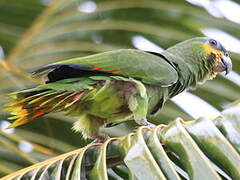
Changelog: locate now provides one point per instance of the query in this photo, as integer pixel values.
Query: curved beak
(225, 64)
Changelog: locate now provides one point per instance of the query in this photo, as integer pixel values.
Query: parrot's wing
(150, 68)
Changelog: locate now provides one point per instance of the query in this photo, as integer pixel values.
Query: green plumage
(113, 87)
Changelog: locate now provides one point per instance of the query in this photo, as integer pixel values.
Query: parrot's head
(205, 57)
(217, 56)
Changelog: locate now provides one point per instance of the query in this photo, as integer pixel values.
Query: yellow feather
(211, 50)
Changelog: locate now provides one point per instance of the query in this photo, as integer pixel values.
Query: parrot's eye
(213, 42)
(226, 54)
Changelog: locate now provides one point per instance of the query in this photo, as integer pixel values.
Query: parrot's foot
(99, 138)
(144, 122)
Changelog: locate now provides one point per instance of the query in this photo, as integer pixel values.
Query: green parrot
(116, 86)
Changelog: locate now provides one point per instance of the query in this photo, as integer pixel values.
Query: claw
(99, 138)
(144, 122)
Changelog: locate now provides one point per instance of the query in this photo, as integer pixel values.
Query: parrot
(108, 88)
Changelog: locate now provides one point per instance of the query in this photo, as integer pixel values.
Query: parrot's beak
(225, 64)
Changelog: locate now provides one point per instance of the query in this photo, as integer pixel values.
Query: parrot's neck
(192, 70)
(199, 70)
(193, 63)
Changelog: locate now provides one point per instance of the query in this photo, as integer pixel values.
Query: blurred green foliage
(34, 33)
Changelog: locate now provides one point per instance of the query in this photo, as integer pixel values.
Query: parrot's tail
(33, 103)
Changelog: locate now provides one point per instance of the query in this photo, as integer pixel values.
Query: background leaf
(35, 33)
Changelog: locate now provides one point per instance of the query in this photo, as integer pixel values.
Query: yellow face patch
(210, 50)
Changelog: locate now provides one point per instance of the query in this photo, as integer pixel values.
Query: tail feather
(62, 101)
(51, 99)
(34, 103)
